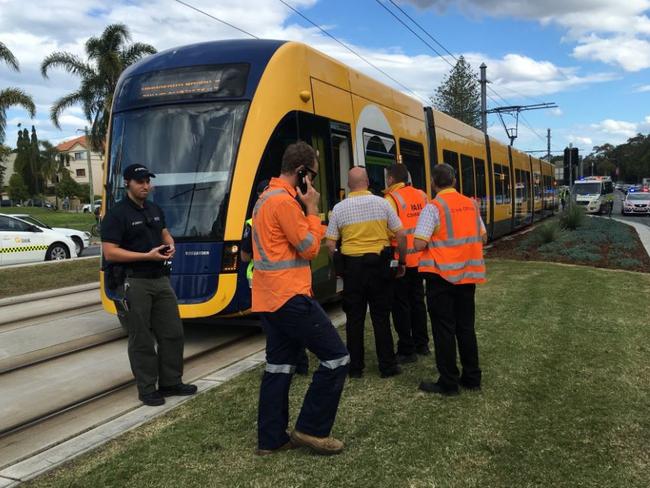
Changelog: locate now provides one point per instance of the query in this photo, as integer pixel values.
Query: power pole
(548, 144)
(483, 98)
(90, 170)
(514, 110)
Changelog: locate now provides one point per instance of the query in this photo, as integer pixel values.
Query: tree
(12, 96)
(68, 187)
(27, 162)
(52, 166)
(4, 153)
(17, 189)
(459, 94)
(108, 55)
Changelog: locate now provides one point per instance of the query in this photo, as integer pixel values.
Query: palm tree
(12, 96)
(52, 165)
(108, 55)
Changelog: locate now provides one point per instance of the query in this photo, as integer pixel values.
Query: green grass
(55, 218)
(30, 279)
(564, 404)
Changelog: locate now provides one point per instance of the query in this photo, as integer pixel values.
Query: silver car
(636, 203)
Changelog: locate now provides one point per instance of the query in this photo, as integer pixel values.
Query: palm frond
(135, 52)
(63, 103)
(69, 62)
(8, 57)
(13, 97)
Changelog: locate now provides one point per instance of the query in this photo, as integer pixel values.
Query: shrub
(548, 233)
(572, 218)
(629, 263)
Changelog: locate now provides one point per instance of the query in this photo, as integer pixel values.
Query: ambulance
(595, 193)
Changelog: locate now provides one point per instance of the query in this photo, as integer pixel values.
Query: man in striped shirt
(362, 223)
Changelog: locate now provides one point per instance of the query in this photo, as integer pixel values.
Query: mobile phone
(302, 180)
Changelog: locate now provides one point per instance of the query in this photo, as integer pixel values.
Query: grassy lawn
(30, 279)
(564, 404)
(55, 218)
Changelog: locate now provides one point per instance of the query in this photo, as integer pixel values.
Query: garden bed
(599, 242)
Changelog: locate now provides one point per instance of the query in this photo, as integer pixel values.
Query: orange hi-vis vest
(455, 251)
(410, 202)
(284, 241)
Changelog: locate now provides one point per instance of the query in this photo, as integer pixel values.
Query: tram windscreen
(191, 149)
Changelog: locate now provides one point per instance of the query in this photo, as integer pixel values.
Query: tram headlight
(230, 257)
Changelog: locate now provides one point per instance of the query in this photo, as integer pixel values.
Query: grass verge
(564, 404)
(55, 218)
(598, 241)
(41, 277)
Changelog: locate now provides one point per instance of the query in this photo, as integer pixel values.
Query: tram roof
(256, 52)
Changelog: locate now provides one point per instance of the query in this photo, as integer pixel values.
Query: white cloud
(580, 140)
(611, 31)
(643, 88)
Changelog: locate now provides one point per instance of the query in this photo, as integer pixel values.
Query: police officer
(285, 239)
(451, 233)
(136, 245)
(409, 311)
(362, 222)
(302, 367)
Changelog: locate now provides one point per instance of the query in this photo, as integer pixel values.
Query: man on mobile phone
(285, 239)
(136, 240)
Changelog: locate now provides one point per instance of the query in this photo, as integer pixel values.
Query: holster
(114, 276)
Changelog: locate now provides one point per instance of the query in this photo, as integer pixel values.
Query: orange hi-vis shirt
(284, 241)
(408, 202)
(455, 251)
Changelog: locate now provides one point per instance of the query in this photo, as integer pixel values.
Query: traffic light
(571, 154)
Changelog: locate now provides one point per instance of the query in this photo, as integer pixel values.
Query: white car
(22, 242)
(80, 238)
(91, 208)
(636, 203)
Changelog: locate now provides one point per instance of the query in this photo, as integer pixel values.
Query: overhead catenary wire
(216, 18)
(369, 63)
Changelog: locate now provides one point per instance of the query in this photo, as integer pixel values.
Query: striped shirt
(429, 221)
(363, 222)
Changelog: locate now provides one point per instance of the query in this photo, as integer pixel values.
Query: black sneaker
(355, 374)
(180, 389)
(153, 399)
(470, 387)
(390, 372)
(407, 358)
(431, 387)
(423, 351)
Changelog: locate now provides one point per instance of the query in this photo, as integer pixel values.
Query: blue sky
(591, 57)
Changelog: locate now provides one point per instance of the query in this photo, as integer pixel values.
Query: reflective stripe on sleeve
(265, 197)
(452, 266)
(280, 368)
(305, 243)
(399, 199)
(277, 265)
(336, 363)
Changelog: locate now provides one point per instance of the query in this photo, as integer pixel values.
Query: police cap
(137, 172)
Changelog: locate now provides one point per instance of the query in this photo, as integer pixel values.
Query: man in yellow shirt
(363, 223)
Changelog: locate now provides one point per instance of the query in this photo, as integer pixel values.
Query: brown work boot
(320, 445)
(284, 447)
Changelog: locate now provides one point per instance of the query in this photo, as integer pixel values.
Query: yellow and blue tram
(213, 119)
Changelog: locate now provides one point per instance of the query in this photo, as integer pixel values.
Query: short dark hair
(443, 175)
(399, 173)
(296, 155)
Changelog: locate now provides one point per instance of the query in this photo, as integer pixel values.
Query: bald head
(358, 179)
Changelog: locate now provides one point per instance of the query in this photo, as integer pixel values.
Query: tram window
(451, 158)
(342, 163)
(526, 178)
(467, 169)
(499, 180)
(380, 153)
(481, 193)
(507, 190)
(413, 157)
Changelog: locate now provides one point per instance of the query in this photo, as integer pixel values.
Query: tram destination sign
(183, 83)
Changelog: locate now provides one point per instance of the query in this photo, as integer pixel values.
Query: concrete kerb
(89, 440)
(642, 230)
(48, 263)
(48, 294)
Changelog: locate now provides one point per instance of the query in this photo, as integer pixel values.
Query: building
(77, 163)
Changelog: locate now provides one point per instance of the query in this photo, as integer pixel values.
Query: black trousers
(451, 309)
(366, 283)
(410, 313)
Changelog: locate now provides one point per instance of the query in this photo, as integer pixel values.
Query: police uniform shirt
(135, 228)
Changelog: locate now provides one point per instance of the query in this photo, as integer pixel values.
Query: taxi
(22, 242)
(80, 238)
(636, 203)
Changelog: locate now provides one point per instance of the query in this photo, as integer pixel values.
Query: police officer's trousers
(300, 322)
(410, 313)
(451, 308)
(153, 319)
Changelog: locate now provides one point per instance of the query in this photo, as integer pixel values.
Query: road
(618, 204)
(92, 250)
